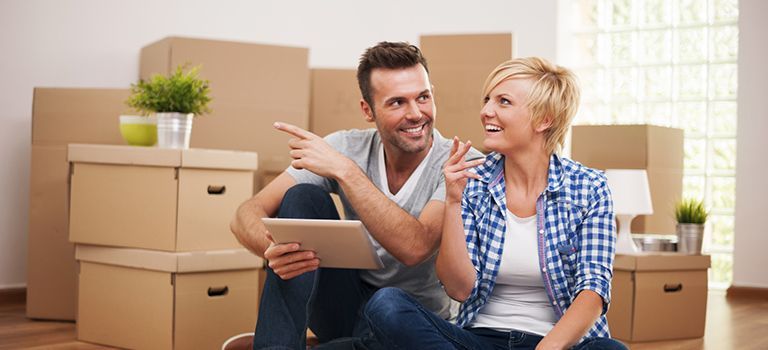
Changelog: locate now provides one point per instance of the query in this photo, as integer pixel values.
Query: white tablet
(338, 243)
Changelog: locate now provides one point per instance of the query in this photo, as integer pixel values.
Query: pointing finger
(294, 130)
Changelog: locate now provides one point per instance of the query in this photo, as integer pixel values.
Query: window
(669, 63)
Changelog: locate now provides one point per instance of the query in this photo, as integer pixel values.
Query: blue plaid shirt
(576, 235)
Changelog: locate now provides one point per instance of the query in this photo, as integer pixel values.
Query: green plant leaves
(181, 92)
(690, 211)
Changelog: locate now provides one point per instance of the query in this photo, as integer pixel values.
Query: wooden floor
(731, 324)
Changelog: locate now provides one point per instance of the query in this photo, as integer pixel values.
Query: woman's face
(507, 119)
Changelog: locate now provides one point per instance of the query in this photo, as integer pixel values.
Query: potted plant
(175, 100)
(691, 217)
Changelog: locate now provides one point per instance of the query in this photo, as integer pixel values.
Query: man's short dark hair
(388, 55)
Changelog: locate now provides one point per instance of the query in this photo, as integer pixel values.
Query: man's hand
(456, 170)
(288, 261)
(311, 152)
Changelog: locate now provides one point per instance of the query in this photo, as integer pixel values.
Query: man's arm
(408, 239)
(286, 260)
(247, 225)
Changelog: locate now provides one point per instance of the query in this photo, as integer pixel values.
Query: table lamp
(631, 197)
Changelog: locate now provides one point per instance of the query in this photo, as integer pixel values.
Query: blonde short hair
(554, 94)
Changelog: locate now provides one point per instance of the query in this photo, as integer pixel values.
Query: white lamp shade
(630, 191)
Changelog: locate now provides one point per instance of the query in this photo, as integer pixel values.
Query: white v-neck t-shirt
(401, 197)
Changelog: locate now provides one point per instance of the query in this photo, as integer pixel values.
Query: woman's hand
(456, 170)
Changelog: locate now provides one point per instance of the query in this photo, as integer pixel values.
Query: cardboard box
(657, 149)
(458, 67)
(658, 296)
(64, 115)
(142, 299)
(335, 102)
(51, 267)
(60, 116)
(628, 146)
(252, 86)
(165, 199)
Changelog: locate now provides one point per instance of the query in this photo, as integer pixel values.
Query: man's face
(404, 108)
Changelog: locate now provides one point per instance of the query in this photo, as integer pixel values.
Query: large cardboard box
(143, 299)
(252, 86)
(335, 102)
(657, 149)
(658, 296)
(61, 116)
(458, 67)
(152, 198)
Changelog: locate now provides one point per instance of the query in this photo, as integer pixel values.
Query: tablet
(338, 243)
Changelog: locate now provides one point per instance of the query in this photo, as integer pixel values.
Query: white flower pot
(689, 238)
(174, 130)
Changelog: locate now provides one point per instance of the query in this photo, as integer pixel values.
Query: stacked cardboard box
(190, 285)
(658, 296)
(59, 117)
(658, 150)
(252, 86)
(152, 198)
(146, 299)
(458, 67)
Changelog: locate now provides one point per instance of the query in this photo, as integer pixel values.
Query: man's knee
(307, 201)
(305, 192)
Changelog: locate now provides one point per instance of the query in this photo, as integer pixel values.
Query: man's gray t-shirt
(362, 147)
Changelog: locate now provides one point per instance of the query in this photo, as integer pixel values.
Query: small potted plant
(175, 100)
(691, 217)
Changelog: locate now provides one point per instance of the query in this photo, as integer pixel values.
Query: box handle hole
(218, 291)
(672, 288)
(216, 190)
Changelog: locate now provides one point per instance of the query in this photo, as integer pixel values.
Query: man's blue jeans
(328, 301)
(400, 322)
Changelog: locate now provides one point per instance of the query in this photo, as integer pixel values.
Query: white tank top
(518, 300)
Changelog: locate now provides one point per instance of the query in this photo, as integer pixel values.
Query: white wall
(95, 43)
(750, 257)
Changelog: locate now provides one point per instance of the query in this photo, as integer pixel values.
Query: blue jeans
(328, 301)
(400, 322)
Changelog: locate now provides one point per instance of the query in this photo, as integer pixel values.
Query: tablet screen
(338, 243)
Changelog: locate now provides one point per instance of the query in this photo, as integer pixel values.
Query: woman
(528, 236)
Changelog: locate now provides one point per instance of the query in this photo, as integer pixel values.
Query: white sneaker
(239, 342)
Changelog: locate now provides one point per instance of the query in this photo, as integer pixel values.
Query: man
(390, 178)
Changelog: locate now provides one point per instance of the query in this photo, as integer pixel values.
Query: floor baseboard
(747, 292)
(13, 295)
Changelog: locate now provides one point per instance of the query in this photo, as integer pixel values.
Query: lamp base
(624, 243)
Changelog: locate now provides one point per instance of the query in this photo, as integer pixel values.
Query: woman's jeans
(399, 322)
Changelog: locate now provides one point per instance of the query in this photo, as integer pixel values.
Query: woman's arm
(575, 323)
(453, 266)
(596, 242)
